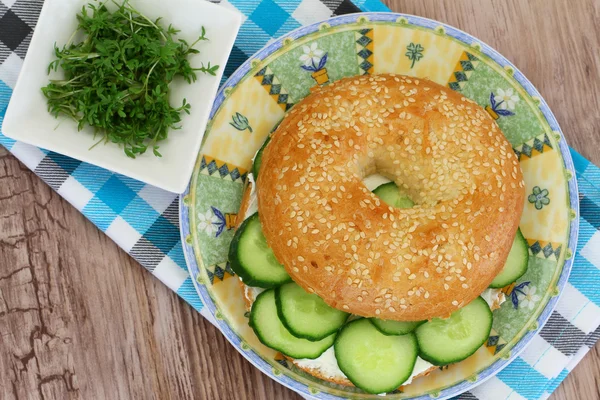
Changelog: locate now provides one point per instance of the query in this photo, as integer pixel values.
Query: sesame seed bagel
(340, 241)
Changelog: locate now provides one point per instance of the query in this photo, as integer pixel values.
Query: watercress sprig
(117, 78)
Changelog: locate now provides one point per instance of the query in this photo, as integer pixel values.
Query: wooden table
(80, 319)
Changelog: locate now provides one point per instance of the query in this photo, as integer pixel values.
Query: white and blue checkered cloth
(143, 220)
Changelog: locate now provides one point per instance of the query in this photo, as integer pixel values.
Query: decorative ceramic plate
(259, 93)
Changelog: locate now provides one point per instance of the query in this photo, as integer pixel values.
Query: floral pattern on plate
(283, 73)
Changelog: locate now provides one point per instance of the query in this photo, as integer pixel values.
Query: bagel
(317, 367)
(339, 240)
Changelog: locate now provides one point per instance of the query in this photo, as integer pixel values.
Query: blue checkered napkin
(143, 220)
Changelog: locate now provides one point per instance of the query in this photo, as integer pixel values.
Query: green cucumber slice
(446, 341)
(390, 194)
(258, 158)
(252, 259)
(306, 315)
(372, 361)
(395, 327)
(516, 263)
(272, 333)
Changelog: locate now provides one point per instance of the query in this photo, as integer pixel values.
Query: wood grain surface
(79, 319)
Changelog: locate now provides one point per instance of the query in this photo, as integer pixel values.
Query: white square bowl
(28, 120)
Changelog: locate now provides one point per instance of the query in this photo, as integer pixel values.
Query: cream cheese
(326, 364)
(420, 367)
(494, 297)
(251, 292)
(375, 180)
(253, 199)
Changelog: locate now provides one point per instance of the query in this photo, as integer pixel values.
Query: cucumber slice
(516, 263)
(306, 315)
(372, 361)
(252, 259)
(272, 333)
(395, 327)
(258, 158)
(389, 193)
(446, 341)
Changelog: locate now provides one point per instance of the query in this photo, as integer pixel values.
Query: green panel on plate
(508, 321)
(342, 61)
(225, 196)
(519, 127)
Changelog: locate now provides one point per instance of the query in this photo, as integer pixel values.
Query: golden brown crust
(337, 239)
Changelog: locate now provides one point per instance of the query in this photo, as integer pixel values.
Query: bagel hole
(385, 188)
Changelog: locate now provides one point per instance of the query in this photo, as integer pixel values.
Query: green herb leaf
(116, 79)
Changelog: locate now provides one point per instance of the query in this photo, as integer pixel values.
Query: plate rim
(468, 39)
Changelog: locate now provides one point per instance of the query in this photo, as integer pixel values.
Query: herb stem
(117, 77)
